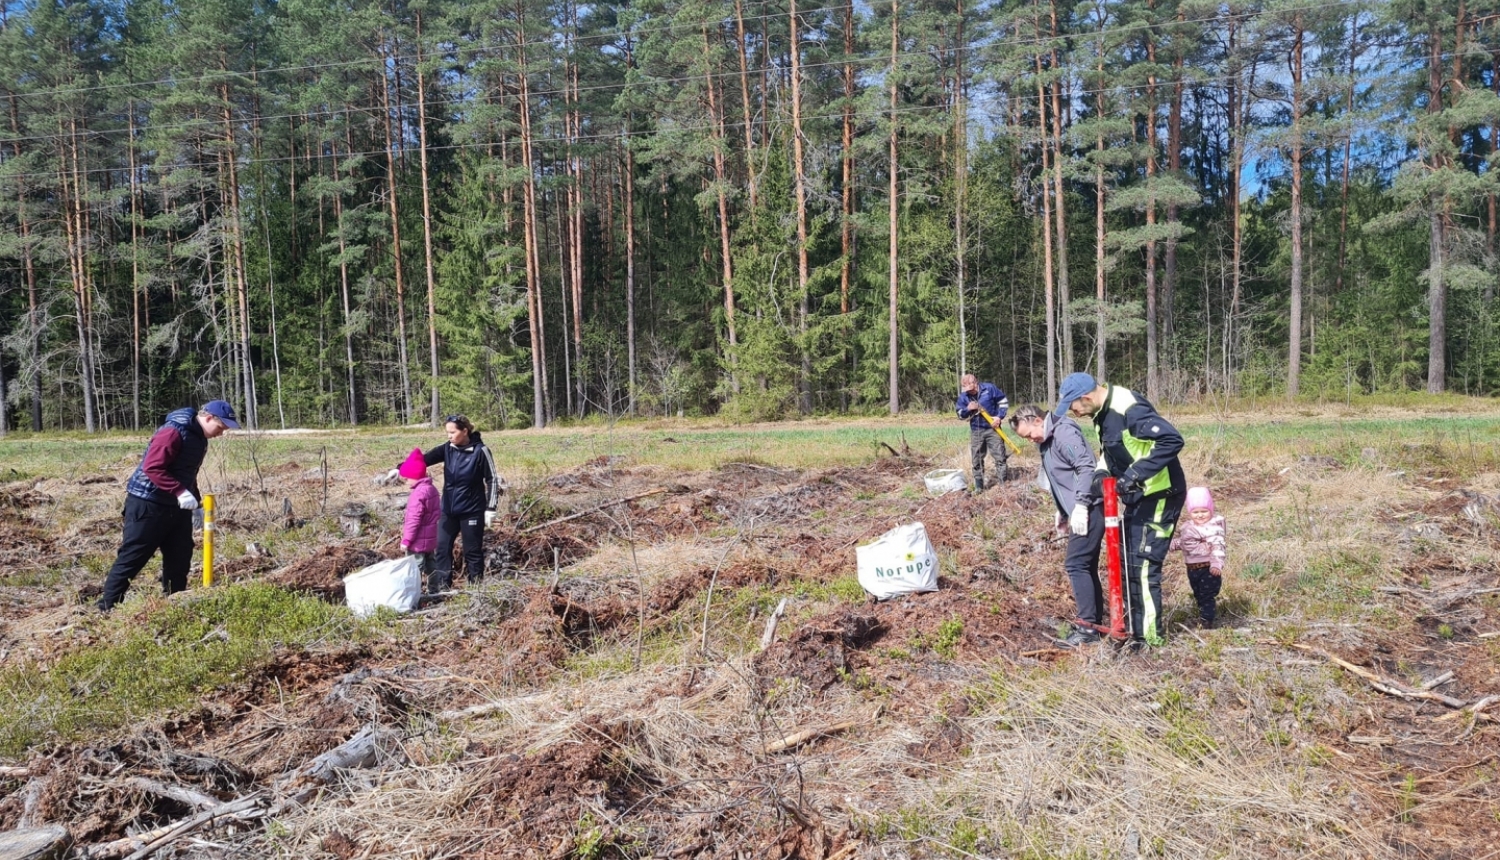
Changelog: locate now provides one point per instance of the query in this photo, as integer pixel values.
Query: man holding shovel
(161, 496)
(1139, 449)
(983, 405)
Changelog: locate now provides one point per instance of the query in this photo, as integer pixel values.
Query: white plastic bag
(396, 583)
(901, 561)
(941, 481)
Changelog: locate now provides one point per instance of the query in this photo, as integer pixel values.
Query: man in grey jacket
(1068, 467)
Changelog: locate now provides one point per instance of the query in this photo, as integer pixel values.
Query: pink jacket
(1203, 544)
(422, 510)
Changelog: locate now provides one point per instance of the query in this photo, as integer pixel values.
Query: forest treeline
(348, 212)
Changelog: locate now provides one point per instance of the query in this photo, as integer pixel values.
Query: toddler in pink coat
(419, 533)
(1201, 537)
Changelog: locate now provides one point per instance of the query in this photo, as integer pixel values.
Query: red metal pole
(1112, 553)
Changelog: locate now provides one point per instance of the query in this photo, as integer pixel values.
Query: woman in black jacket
(471, 489)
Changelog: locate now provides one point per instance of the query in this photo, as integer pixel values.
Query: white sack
(940, 481)
(396, 583)
(901, 561)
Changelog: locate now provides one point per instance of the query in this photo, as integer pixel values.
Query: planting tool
(995, 425)
(208, 539)
(1114, 547)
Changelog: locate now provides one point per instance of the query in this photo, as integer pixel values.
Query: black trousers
(471, 528)
(1205, 590)
(150, 527)
(1082, 565)
(1148, 525)
(982, 441)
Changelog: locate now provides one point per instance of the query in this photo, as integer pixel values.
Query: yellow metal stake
(208, 539)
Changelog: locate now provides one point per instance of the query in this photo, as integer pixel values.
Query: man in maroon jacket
(160, 498)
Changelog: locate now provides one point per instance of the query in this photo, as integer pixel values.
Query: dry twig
(594, 510)
(1384, 685)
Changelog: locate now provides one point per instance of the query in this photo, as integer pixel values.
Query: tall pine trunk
(539, 391)
(893, 353)
(427, 252)
(716, 123)
(1294, 322)
(799, 180)
(76, 231)
(1048, 286)
(1153, 380)
(402, 361)
(1167, 305)
(749, 129)
(1437, 340)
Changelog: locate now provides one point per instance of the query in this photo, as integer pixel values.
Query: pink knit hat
(1199, 498)
(415, 467)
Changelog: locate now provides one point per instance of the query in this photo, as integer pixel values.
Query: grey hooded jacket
(1067, 463)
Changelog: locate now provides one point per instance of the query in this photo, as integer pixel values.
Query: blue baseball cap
(1074, 386)
(221, 410)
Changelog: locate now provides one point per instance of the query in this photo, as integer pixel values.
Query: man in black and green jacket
(1139, 449)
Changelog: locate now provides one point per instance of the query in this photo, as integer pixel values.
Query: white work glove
(392, 475)
(404, 549)
(489, 518)
(186, 500)
(1078, 521)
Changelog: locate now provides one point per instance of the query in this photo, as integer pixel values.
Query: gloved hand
(1078, 521)
(1128, 488)
(489, 518)
(392, 475)
(186, 500)
(404, 549)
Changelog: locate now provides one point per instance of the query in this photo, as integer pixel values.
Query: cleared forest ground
(608, 696)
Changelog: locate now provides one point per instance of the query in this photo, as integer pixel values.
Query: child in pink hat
(1201, 537)
(419, 533)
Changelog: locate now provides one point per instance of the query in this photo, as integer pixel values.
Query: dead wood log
(180, 793)
(359, 751)
(594, 510)
(1384, 685)
(31, 800)
(798, 738)
(36, 843)
(9, 772)
(769, 636)
(143, 845)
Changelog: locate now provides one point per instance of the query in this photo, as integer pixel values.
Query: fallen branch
(797, 739)
(143, 845)
(1438, 681)
(1476, 710)
(1384, 685)
(594, 510)
(10, 772)
(1040, 651)
(180, 793)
